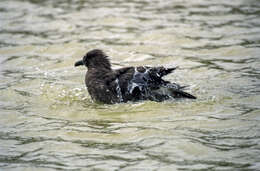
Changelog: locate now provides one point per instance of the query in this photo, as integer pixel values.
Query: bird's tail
(173, 90)
(177, 93)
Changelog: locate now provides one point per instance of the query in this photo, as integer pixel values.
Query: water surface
(48, 121)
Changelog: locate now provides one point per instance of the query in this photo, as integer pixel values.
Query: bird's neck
(100, 67)
(97, 64)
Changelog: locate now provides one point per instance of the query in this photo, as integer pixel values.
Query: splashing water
(119, 92)
(139, 81)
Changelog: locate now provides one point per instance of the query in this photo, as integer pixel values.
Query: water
(49, 122)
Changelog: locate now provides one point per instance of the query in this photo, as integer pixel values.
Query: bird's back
(133, 84)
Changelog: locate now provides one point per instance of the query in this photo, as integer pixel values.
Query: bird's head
(94, 58)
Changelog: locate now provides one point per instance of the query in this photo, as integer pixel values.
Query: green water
(47, 118)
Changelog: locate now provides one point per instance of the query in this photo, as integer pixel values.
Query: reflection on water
(49, 122)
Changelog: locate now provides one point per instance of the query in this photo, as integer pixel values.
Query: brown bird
(110, 86)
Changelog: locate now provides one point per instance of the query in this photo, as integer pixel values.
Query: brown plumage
(127, 84)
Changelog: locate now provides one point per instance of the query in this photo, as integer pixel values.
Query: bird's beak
(78, 63)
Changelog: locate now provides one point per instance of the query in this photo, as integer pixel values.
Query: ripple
(48, 120)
